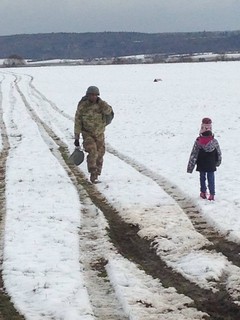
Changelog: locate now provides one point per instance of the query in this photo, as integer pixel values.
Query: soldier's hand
(76, 142)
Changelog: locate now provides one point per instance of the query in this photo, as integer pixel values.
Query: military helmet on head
(92, 90)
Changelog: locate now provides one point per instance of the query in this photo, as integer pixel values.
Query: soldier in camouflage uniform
(90, 122)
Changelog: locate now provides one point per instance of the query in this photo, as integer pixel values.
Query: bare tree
(14, 61)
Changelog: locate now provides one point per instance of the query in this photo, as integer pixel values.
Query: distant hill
(115, 44)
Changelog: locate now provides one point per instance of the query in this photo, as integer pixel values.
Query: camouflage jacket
(89, 117)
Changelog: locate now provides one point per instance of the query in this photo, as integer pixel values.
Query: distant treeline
(115, 44)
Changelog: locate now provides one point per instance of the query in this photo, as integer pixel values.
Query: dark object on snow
(77, 157)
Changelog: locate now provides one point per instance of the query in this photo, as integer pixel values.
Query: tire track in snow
(101, 293)
(35, 92)
(7, 310)
(218, 305)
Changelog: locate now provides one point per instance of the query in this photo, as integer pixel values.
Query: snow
(149, 143)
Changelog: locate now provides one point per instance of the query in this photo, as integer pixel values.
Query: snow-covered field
(53, 233)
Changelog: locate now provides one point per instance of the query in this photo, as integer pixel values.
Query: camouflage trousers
(95, 147)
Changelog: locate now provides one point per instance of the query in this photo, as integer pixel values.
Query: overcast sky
(151, 16)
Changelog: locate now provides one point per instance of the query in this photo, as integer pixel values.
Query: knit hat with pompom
(206, 125)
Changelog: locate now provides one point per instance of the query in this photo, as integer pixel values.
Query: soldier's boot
(93, 176)
(99, 170)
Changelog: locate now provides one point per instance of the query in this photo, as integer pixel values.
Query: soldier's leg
(100, 142)
(90, 147)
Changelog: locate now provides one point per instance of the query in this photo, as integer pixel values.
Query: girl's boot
(211, 197)
(203, 195)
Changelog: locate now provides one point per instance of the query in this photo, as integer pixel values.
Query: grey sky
(44, 16)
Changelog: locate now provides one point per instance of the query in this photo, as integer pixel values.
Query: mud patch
(99, 266)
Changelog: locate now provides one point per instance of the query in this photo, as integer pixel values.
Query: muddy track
(219, 241)
(125, 238)
(101, 293)
(7, 310)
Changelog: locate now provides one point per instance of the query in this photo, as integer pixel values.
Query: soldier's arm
(105, 107)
